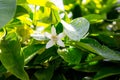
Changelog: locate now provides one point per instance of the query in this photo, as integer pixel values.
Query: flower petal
(38, 36)
(50, 44)
(53, 31)
(60, 43)
(61, 35)
(48, 35)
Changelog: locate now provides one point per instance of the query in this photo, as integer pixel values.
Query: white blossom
(38, 35)
(54, 38)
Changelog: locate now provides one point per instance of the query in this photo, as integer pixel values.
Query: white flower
(38, 35)
(54, 38)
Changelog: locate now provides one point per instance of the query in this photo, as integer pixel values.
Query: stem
(5, 31)
(34, 17)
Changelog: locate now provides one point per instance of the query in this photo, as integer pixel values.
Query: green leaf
(45, 74)
(66, 2)
(107, 71)
(20, 11)
(108, 5)
(37, 2)
(95, 18)
(87, 67)
(77, 29)
(108, 40)
(93, 46)
(58, 76)
(21, 1)
(2, 77)
(7, 10)
(66, 18)
(46, 55)
(86, 46)
(2, 69)
(30, 51)
(11, 57)
(2, 33)
(56, 15)
(52, 18)
(71, 55)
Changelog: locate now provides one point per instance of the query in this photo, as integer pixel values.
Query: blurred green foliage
(92, 41)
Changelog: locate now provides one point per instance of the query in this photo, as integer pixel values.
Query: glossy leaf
(77, 29)
(7, 11)
(71, 55)
(105, 72)
(11, 57)
(104, 51)
(30, 51)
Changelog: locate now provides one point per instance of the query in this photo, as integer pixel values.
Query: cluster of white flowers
(54, 38)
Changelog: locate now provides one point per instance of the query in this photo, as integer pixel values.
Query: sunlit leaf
(2, 33)
(11, 57)
(25, 19)
(56, 16)
(22, 40)
(50, 16)
(66, 18)
(77, 29)
(21, 1)
(66, 2)
(38, 2)
(21, 10)
(7, 11)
